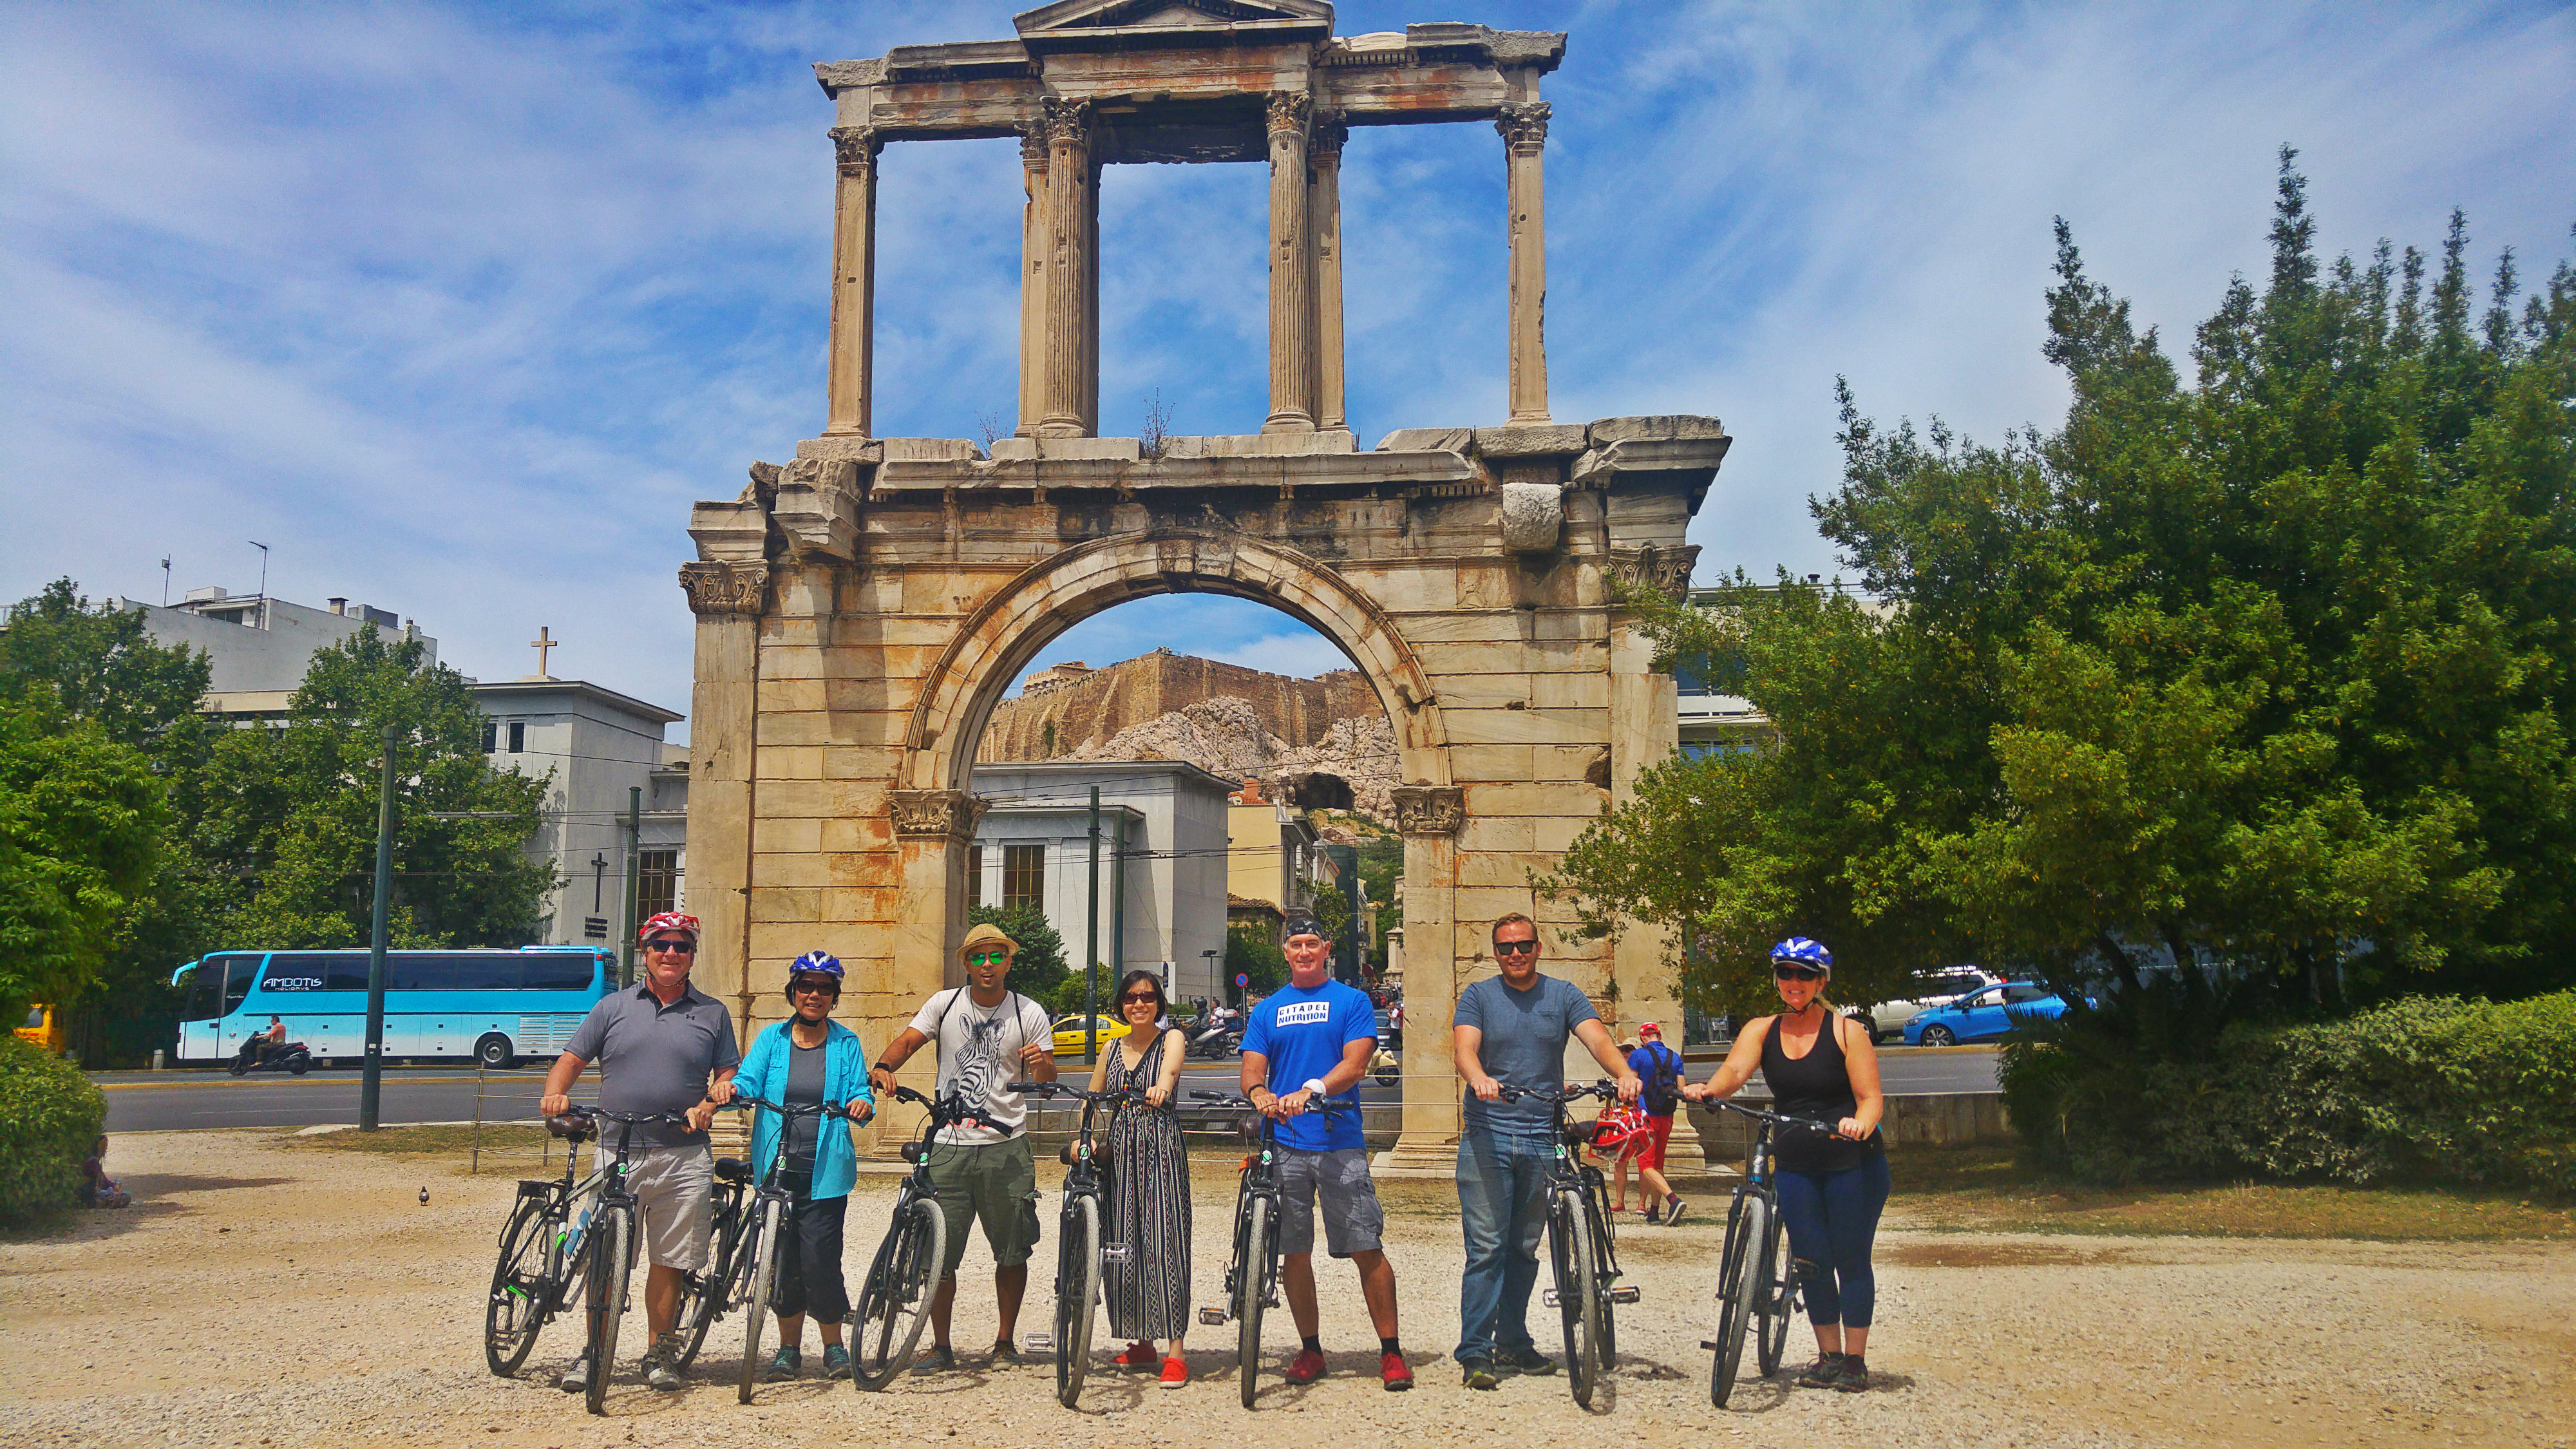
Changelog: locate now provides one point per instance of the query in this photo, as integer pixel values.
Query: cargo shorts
(997, 1183)
(676, 1188)
(1352, 1217)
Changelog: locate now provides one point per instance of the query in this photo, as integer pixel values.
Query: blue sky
(458, 307)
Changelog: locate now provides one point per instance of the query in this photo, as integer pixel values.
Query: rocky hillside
(1225, 736)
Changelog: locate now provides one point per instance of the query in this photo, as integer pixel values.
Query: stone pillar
(932, 830)
(1326, 211)
(1070, 229)
(1033, 276)
(1292, 269)
(1091, 307)
(1524, 128)
(854, 281)
(1429, 817)
(728, 599)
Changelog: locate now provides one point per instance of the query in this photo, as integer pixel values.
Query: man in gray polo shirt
(662, 1046)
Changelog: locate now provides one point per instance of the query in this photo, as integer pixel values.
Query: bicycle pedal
(1627, 1294)
(1116, 1254)
(1213, 1316)
(1710, 1344)
(1551, 1298)
(1041, 1343)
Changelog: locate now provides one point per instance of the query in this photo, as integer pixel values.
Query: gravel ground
(263, 1295)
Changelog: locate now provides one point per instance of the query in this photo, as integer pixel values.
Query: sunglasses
(1797, 973)
(676, 948)
(1146, 997)
(987, 958)
(1515, 948)
(815, 988)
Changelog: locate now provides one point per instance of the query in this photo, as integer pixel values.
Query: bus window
(236, 985)
(562, 971)
(322, 970)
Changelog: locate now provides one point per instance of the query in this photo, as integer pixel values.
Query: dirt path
(262, 1294)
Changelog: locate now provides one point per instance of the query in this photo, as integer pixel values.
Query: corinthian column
(1068, 271)
(854, 280)
(1292, 269)
(1326, 211)
(1524, 128)
(1033, 270)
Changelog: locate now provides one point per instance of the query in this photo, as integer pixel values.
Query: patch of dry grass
(1986, 1189)
(501, 1145)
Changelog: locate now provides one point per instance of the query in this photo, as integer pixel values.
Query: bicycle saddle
(1579, 1134)
(572, 1129)
(731, 1169)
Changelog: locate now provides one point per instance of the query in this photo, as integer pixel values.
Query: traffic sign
(1240, 979)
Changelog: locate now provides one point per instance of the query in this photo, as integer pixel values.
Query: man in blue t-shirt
(1510, 1031)
(1316, 1038)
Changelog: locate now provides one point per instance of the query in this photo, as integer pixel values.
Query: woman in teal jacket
(805, 1059)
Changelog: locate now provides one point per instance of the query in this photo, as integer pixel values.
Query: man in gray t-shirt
(1510, 1031)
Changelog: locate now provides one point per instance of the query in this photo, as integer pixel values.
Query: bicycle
(1081, 1254)
(612, 1241)
(895, 1301)
(1757, 1277)
(750, 1274)
(1581, 1247)
(544, 1256)
(1252, 1275)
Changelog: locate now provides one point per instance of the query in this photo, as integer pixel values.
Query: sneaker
(1825, 1373)
(661, 1372)
(941, 1359)
(1855, 1375)
(1525, 1361)
(577, 1378)
(1307, 1367)
(1139, 1355)
(1176, 1372)
(789, 1363)
(1673, 1210)
(836, 1361)
(1397, 1374)
(1006, 1354)
(1480, 1374)
(1651, 1210)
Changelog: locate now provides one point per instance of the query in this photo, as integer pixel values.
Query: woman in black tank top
(1832, 1189)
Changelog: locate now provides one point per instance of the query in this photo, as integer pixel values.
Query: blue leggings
(1832, 1218)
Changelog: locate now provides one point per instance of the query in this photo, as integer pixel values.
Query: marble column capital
(855, 148)
(1523, 124)
(1291, 112)
(725, 588)
(1429, 809)
(1033, 144)
(1330, 131)
(949, 814)
(1067, 120)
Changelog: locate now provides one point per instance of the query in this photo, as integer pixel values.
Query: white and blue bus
(439, 1005)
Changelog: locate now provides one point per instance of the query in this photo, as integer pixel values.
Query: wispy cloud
(460, 306)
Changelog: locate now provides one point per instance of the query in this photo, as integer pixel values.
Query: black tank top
(1816, 1085)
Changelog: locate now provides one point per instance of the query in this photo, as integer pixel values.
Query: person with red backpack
(1660, 1068)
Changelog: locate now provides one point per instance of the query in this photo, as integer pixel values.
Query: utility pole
(1091, 946)
(634, 856)
(371, 1084)
(1118, 909)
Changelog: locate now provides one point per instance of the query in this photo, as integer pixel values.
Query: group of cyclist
(665, 1047)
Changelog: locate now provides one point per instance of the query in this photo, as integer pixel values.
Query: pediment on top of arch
(1170, 19)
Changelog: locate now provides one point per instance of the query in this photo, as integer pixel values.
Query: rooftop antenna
(263, 566)
(165, 581)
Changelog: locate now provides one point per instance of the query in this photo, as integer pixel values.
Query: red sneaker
(1176, 1372)
(1138, 1356)
(1391, 1367)
(1308, 1367)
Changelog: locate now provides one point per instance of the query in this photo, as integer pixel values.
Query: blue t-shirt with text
(1303, 1034)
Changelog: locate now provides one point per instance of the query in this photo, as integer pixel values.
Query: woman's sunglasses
(1797, 973)
(1145, 997)
(814, 988)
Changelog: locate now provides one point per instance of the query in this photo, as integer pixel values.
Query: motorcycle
(291, 1058)
(1215, 1041)
(1385, 1068)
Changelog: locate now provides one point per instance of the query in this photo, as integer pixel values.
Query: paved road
(178, 1101)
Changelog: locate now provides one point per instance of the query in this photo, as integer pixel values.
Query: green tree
(80, 822)
(2249, 687)
(1038, 967)
(1249, 951)
(292, 811)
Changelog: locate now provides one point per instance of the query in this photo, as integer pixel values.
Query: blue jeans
(1832, 1219)
(1502, 1203)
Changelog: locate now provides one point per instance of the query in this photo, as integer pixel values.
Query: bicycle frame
(1260, 1179)
(1570, 1174)
(1083, 1177)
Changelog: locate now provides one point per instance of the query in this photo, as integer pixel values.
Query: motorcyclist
(257, 1047)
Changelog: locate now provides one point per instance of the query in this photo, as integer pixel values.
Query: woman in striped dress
(1148, 1288)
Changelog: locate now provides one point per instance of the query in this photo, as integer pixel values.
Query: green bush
(2423, 1091)
(49, 1116)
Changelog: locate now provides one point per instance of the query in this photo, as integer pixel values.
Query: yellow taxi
(46, 1032)
(1070, 1037)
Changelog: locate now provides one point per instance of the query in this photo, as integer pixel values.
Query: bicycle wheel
(895, 1301)
(709, 1295)
(1775, 1302)
(1605, 1275)
(1578, 1299)
(516, 1307)
(760, 1268)
(1252, 1293)
(1077, 1290)
(612, 1234)
(1738, 1286)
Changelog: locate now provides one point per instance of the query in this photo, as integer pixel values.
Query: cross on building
(544, 641)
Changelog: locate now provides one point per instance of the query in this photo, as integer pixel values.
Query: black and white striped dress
(1149, 1209)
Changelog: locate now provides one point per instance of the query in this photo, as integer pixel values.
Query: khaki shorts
(997, 1183)
(1352, 1217)
(676, 1186)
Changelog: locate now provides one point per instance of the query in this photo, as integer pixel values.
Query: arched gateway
(862, 608)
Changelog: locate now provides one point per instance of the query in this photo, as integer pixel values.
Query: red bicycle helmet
(670, 921)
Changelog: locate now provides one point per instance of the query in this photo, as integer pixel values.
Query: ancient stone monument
(862, 608)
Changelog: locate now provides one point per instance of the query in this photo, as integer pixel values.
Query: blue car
(1981, 1015)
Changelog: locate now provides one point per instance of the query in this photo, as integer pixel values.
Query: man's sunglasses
(1797, 973)
(988, 958)
(1515, 948)
(676, 948)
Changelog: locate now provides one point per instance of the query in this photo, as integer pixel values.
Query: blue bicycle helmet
(816, 963)
(1806, 953)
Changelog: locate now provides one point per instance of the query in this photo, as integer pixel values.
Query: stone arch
(1007, 630)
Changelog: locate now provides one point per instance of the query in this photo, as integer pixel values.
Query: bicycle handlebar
(1779, 1119)
(946, 1112)
(1124, 1096)
(1604, 1090)
(1313, 1104)
(744, 1100)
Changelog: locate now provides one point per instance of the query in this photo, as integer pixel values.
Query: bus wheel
(494, 1051)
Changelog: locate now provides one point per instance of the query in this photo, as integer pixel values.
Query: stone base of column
(1288, 422)
(1419, 1154)
(1521, 419)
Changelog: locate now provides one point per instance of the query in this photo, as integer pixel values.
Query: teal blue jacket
(845, 1080)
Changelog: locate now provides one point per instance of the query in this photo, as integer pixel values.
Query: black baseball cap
(1304, 926)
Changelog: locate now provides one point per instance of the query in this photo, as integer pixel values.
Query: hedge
(50, 1116)
(2422, 1091)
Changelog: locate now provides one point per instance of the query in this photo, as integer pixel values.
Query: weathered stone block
(1531, 440)
(1427, 440)
(1655, 427)
(1533, 516)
